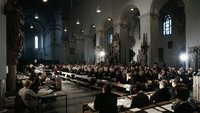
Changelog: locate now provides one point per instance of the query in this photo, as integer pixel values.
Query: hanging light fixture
(98, 10)
(31, 26)
(44, 0)
(132, 9)
(109, 19)
(77, 22)
(65, 30)
(36, 16)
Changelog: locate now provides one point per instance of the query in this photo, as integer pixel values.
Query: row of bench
(96, 84)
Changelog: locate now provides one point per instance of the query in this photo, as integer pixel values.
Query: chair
(23, 108)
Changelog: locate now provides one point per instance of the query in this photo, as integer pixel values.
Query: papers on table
(168, 107)
(91, 105)
(127, 86)
(126, 102)
(160, 109)
(135, 109)
(152, 110)
(44, 91)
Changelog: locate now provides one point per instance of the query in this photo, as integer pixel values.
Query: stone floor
(76, 96)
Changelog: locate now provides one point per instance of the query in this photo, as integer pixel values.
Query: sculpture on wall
(142, 53)
(115, 49)
(15, 22)
(193, 57)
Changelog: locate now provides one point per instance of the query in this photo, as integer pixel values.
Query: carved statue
(115, 49)
(15, 22)
(142, 53)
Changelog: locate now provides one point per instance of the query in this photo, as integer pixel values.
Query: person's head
(27, 83)
(183, 94)
(107, 88)
(174, 82)
(163, 84)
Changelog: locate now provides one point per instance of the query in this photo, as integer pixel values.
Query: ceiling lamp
(65, 30)
(132, 9)
(93, 26)
(77, 22)
(109, 19)
(44, 0)
(98, 10)
(31, 27)
(36, 16)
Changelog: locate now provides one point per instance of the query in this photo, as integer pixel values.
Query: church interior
(66, 52)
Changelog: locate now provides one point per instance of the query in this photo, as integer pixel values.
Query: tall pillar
(122, 30)
(14, 39)
(147, 30)
(2, 59)
(2, 56)
(11, 80)
(99, 44)
(99, 37)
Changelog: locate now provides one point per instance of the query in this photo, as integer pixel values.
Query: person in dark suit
(106, 102)
(182, 105)
(162, 94)
(141, 99)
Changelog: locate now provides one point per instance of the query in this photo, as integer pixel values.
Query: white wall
(2, 46)
(192, 23)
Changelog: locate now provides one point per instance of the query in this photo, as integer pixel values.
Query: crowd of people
(169, 83)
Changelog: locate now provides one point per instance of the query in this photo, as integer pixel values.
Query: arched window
(167, 25)
(110, 36)
(36, 42)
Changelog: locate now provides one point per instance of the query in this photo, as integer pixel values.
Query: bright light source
(44, 0)
(102, 53)
(65, 30)
(109, 19)
(36, 16)
(82, 31)
(183, 57)
(98, 10)
(93, 26)
(31, 27)
(132, 9)
(77, 22)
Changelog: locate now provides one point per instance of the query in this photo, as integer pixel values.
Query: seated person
(28, 96)
(175, 85)
(141, 99)
(106, 102)
(182, 105)
(35, 82)
(162, 94)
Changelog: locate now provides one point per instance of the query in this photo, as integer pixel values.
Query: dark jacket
(106, 103)
(161, 95)
(185, 107)
(140, 100)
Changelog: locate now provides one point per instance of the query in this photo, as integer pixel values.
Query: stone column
(99, 44)
(2, 60)
(122, 30)
(148, 27)
(11, 80)
(14, 25)
(2, 56)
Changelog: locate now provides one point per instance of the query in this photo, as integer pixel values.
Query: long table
(53, 94)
